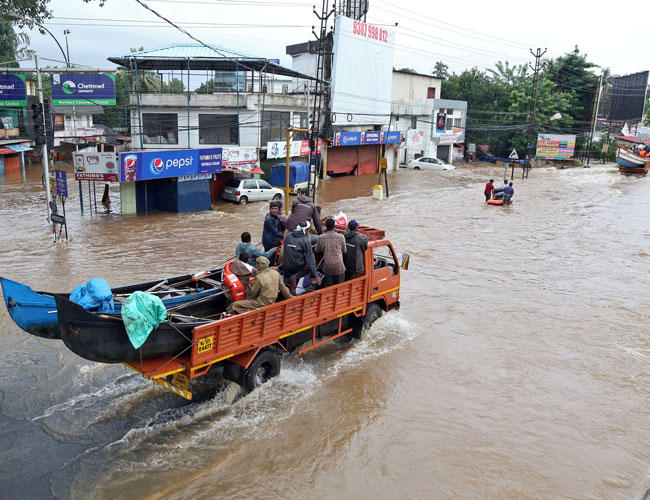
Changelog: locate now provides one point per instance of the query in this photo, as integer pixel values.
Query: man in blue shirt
(273, 227)
(508, 192)
(251, 250)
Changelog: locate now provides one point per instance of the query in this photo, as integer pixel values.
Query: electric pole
(538, 66)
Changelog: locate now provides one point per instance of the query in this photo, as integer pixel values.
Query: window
(233, 183)
(414, 122)
(450, 124)
(450, 111)
(431, 93)
(384, 258)
(218, 129)
(304, 123)
(59, 124)
(458, 122)
(274, 126)
(160, 128)
(264, 185)
(250, 185)
(285, 88)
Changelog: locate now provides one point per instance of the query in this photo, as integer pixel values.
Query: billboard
(146, 165)
(97, 89)
(627, 97)
(239, 158)
(95, 166)
(555, 147)
(441, 122)
(13, 91)
(278, 149)
(362, 72)
(366, 138)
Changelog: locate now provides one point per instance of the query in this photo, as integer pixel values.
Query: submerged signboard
(13, 91)
(146, 165)
(555, 147)
(95, 166)
(97, 89)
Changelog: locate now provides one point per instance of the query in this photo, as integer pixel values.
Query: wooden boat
(102, 337)
(630, 163)
(35, 312)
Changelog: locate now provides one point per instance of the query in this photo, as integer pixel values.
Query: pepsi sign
(173, 163)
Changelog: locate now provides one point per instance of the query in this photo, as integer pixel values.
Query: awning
(19, 148)
(256, 170)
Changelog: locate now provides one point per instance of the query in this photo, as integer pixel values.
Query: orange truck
(248, 348)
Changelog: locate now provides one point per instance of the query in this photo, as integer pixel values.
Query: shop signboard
(144, 165)
(94, 89)
(347, 139)
(414, 138)
(555, 147)
(96, 166)
(13, 91)
(394, 137)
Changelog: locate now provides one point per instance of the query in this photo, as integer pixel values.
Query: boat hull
(36, 313)
(630, 163)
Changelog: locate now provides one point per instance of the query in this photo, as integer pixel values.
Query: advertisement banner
(415, 138)
(362, 72)
(61, 179)
(278, 149)
(97, 89)
(555, 147)
(239, 158)
(394, 137)
(95, 166)
(441, 122)
(446, 138)
(347, 139)
(374, 137)
(146, 165)
(13, 91)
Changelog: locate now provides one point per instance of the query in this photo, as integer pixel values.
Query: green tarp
(141, 313)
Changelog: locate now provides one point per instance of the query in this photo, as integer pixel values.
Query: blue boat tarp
(96, 295)
(298, 173)
(142, 312)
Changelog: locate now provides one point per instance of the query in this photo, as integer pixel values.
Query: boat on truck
(196, 344)
(35, 312)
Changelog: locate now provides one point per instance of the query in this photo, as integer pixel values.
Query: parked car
(244, 190)
(429, 162)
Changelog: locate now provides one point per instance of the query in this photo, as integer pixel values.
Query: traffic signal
(49, 129)
(38, 132)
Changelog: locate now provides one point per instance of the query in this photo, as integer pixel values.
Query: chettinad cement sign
(13, 91)
(97, 89)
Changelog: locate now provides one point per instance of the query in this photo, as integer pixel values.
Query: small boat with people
(631, 162)
(35, 312)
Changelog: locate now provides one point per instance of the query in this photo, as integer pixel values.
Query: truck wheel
(263, 368)
(373, 313)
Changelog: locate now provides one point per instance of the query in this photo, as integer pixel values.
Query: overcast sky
(461, 34)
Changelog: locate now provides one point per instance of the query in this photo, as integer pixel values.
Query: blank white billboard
(362, 73)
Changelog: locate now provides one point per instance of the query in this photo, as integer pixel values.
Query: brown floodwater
(517, 368)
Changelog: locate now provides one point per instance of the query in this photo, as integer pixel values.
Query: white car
(429, 162)
(244, 190)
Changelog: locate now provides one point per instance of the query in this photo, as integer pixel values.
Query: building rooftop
(193, 56)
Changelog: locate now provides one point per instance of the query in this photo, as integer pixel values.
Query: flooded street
(517, 367)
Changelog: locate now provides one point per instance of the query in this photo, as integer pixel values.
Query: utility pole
(66, 32)
(321, 93)
(594, 119)
(46, 170)
(538, 66)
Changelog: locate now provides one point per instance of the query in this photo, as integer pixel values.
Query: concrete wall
(408, 86)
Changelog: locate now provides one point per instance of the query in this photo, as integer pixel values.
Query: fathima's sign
(172, 163)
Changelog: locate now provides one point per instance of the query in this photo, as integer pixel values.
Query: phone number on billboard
(370, 31)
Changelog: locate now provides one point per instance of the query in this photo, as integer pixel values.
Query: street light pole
(66, 32)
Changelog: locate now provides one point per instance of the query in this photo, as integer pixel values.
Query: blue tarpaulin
(96, 295)
(298, 173)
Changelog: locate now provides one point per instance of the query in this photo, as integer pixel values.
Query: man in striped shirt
(332, 245)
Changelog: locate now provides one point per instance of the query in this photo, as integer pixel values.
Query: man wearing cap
(332, 246)
(298, 256)
(356, 244)
(268, 284)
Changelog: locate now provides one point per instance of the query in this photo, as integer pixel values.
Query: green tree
(31, 13)
(441, 70)
(13, 45)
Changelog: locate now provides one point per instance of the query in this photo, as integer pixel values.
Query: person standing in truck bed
(357, 244)
(332, 245)
(302, 210)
